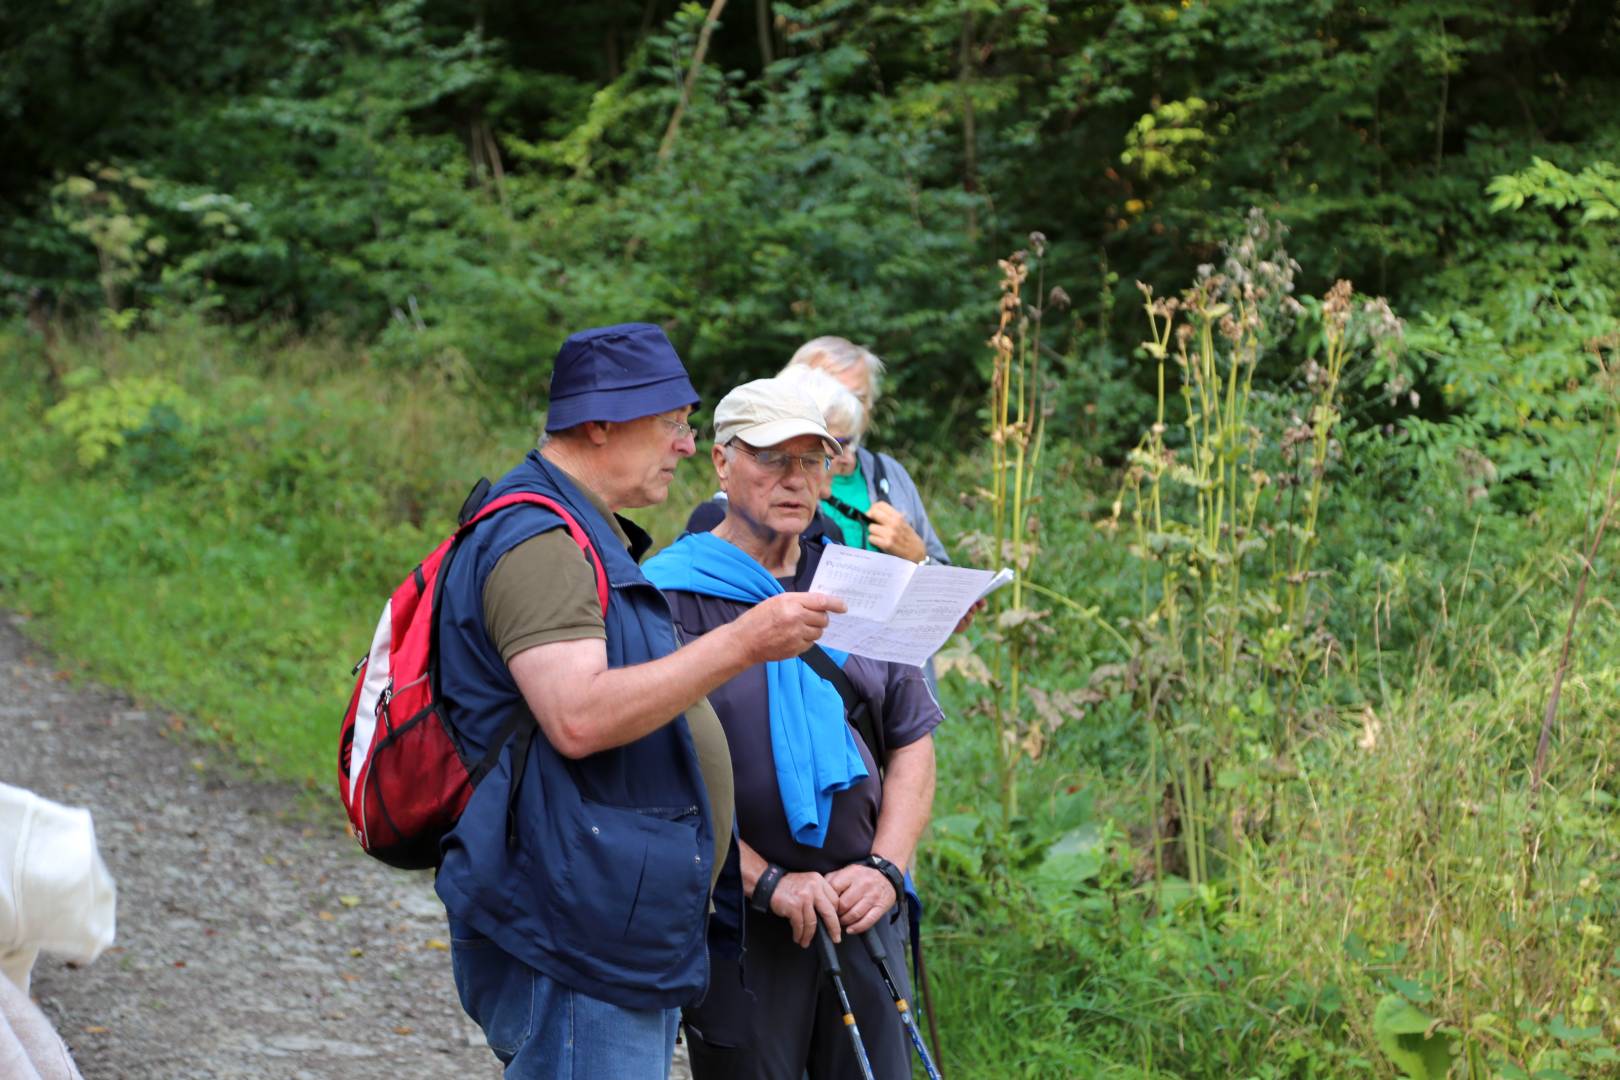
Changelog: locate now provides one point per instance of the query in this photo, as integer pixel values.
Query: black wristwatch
(896, 876)
(769, 879)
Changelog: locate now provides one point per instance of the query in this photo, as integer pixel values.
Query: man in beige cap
(833, 765)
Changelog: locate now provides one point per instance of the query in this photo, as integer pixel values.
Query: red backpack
(403, 774)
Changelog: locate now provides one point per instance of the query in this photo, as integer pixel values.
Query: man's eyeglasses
(781, 461)
(679, 428)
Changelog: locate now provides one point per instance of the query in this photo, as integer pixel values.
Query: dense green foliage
(458, 185)
(1253, 773)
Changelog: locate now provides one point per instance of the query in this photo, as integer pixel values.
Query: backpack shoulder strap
(576, 532)
(473, 510)
(856, 708)
(880, 476)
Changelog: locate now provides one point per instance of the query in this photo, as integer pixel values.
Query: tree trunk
(691, 78)
(762, 15)
(970, 152)
(40, 319)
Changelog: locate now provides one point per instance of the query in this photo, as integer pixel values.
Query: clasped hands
(849, 900)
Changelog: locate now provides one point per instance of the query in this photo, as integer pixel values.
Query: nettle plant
(1220, 506)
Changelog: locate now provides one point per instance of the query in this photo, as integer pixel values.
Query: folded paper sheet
(898, 610)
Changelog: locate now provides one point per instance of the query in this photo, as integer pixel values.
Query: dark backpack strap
(475, 498)
(523, 742)
(880, 476)
(856, 708)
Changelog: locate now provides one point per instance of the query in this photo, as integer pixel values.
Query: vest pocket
(638, 883)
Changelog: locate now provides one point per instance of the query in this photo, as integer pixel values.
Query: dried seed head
(1058, 298)
(1037, 243)
(1298, 432)
(1382, 324)
(1336, 305)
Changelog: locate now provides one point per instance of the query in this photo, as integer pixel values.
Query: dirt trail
(250, 944)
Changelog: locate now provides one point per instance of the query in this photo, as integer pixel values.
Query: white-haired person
(888, 512)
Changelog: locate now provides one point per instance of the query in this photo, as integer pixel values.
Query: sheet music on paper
(898, 610)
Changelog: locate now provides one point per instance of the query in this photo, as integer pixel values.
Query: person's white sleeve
(56, 895)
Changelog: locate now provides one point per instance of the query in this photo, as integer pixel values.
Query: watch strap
(765, 888)
(893, 873)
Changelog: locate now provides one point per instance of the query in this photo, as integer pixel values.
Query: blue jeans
(542, 1030)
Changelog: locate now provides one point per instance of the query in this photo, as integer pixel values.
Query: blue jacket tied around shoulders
(605, 886)
(815, 751)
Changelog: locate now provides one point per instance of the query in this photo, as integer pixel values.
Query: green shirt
(852, 490)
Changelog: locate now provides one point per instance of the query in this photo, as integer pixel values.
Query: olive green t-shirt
(544, 591)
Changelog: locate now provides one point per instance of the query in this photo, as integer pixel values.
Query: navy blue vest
(605, 887)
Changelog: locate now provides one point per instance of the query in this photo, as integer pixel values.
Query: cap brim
(775, 432)
(620, 404)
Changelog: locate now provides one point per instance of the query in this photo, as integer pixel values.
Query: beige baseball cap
(769, 412)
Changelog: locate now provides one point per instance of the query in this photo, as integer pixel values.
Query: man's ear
(597, 431)
(717, 454)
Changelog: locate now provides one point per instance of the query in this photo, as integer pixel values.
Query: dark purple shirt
(896, 693)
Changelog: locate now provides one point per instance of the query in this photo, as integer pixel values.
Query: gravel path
(251, 944)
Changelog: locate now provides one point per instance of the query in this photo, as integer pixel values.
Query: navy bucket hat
(616, 373)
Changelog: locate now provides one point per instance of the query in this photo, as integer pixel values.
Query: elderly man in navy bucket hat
(578, 878)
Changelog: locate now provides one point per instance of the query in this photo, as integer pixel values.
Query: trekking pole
(829, 957)
(880, 956)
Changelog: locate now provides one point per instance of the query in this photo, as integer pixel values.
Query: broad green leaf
(1403, 1034)
(1074, 858)
(1565, 1033)
(1413, 991)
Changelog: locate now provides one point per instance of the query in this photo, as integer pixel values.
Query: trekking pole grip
(829, 951)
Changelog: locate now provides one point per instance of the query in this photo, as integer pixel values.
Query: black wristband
(765, 887)
(896, 876)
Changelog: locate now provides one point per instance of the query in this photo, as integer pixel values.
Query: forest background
(1291, 755)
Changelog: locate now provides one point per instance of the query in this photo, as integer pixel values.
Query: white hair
(836, 354)
(839, 408)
